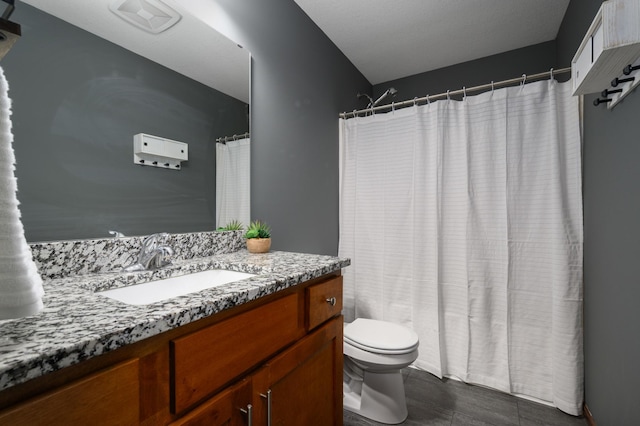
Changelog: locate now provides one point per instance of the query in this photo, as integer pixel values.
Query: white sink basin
(156, 291)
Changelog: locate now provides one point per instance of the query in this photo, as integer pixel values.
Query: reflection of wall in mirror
(77, 102)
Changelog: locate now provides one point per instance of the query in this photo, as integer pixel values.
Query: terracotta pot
(258, 245)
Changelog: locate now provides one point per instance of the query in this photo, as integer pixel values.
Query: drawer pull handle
(331, 301)
(249, 413)
(268, 398)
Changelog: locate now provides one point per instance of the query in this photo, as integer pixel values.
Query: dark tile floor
(432, 401)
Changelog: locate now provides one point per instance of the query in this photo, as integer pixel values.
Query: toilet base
(379, 396)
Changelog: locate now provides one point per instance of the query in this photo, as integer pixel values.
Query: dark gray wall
(529, 60)
(612, 236)
(300, 82)
(77, 102)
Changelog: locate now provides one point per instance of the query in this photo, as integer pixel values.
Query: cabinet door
(303, 385)
(207, 360)
(230, 407)
(109, 397)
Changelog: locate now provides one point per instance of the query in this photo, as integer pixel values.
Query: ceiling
(387, 39)
(384, 39)
(191, 47)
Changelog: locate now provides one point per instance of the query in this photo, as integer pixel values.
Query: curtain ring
(464, 92)
(415, 101)
(551, 74)
(448, 98)
(524, 79)
(393, 107)
(492, 87)
(428, 101)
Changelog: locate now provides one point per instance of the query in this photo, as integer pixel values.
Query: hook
(524, 80)
(629, 69)
(448, 98)
(393, 107)
(607, 92)
(428, 101)
(616, 81)
(599, 101)
(551, 74)
(464, 92)
(492, 87)
(415, 101)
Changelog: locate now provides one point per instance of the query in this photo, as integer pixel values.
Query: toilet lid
(380, 336)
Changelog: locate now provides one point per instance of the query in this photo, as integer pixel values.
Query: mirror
(83, 81)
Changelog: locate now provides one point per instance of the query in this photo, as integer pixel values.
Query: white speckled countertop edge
(77, 323)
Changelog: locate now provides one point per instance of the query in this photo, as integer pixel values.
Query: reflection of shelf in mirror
(155, 151)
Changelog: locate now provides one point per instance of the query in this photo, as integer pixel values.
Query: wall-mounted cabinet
(611, 43)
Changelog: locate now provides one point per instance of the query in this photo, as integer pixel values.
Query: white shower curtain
(232, 182)
(463, 221)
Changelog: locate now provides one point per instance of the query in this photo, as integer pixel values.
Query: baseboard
(588, 416)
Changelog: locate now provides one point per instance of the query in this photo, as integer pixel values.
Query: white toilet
(375, 352)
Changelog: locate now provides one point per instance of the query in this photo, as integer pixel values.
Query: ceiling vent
(152, 16)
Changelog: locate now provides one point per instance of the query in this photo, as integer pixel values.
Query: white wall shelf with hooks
(611, 44)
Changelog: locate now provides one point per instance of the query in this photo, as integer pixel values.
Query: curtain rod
(232, 138)
(462, 91)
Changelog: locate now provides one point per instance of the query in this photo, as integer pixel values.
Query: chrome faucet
(154, 254)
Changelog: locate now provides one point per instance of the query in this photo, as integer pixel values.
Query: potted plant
(258, 237)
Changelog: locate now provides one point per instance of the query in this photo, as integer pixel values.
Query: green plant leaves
(258, 229)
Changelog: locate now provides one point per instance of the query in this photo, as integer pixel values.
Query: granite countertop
(77, 323)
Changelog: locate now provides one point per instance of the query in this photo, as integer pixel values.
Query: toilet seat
(380, 337)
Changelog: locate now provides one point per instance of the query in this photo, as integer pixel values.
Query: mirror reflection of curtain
(232, 182)
(463, 221)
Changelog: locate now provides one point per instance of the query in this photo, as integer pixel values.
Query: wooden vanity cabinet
(282, 351)
(108, 397)
(303, 384)
(300, 386)
(293, 345)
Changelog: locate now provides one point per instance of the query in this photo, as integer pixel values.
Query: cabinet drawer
(204, 361)
(323, 301)
(109, 397)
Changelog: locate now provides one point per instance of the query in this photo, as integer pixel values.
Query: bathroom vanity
(267, 348)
